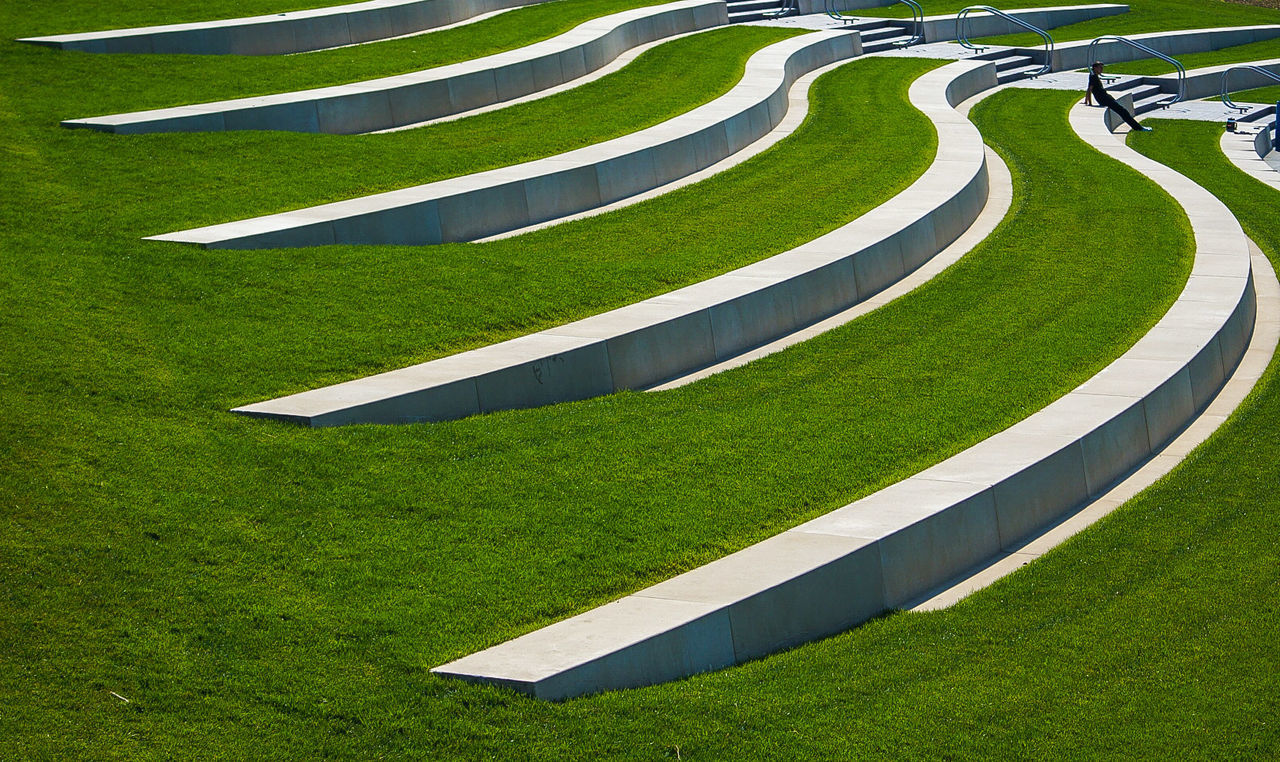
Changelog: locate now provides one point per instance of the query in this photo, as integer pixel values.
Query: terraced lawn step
(699, 325)
(289, 32)
(884, 550)
(1249, 152)
(486, 203)
(380, 104)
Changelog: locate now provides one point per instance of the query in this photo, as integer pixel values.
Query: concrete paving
(290, 32)
(1240, 151)
(642, 344)
(889, 548)
(386, 102)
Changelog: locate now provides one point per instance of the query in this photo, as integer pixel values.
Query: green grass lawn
(1260, 95)
(254, 588)
(137, 82)
(332, 168)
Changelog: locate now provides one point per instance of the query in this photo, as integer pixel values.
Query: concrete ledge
(1206, 82)
(672, 334)
(981, 24)
(486, 203)
(1074, 55)
(888, 548)
(379, 104)
(291, 32)
(1248, 152)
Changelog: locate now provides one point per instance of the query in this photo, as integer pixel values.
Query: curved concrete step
(693, 327)
(290, 32)
(380, 104)
(884, 550)
(1248, 153)
(486, 203)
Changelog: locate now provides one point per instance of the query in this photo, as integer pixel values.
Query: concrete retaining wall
(486, 203)
(981, 24)
(1074, 55)
(693, 327)
(1207, 82)
(895, 545)
(403, 99)
(291, 32)
(1264, 142)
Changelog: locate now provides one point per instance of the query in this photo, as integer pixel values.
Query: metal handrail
(1182, 72)
(917, 23)
(962, 33)
(1226, 93)
(788, 7)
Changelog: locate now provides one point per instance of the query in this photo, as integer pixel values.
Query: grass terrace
(253, 588)
(158, 81)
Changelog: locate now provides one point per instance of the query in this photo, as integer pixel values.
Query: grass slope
(170, 80)
(1255, 51)
(254, 588)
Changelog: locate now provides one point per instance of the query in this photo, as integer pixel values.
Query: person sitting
(1099, 93)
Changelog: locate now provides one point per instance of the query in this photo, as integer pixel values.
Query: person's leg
(1125, 115)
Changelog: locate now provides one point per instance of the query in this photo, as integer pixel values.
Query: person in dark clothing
(1099, 93)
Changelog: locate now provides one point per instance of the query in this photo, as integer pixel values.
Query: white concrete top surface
(470, 84)
(1238, 148)
(881, 551)
(899, 230)
(335, 16)
(765, 77)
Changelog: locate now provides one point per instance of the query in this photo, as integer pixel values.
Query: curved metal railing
(917, 20)
(788, 7)
(1226, 92)
(962, 33)
(1182, 72)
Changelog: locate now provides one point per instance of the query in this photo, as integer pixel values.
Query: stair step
(885, 44)
(1257, 114)
(1022, 72)
(1012, 62)
(753, 5)
(1138, 93)
(879, 33)
(1150, 103)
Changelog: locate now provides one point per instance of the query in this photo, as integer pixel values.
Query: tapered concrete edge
(693, 327)
(886, 549)
(404, 99)
(283, 33)
(482, 204)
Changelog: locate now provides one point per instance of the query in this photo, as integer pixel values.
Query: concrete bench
(486, 203)
(277, 33)
(696, 326)
(882, 551)
(380, 104)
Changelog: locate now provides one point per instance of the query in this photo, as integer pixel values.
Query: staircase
(880, 35)
(1145, 97)
(759, 10)
(1011, 67)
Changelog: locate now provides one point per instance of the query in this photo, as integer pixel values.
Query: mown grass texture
(172, 80)
(270, 589)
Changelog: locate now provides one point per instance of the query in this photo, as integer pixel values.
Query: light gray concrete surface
(290, 32)
(705, 323)
(1242, 150)
(402, 99)
(486, 203)
(1075, 54)
(887, 549)
(1262, 345)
